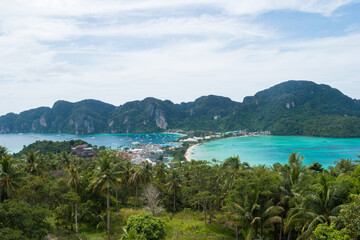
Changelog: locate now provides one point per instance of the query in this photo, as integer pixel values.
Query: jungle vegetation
(99, 198)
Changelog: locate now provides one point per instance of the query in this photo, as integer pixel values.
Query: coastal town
(154, 153)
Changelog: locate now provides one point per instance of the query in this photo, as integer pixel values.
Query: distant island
(290, 108)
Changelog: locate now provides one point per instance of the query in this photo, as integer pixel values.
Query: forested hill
(289, 108)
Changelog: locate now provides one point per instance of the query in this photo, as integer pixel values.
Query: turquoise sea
(272, 149)
(15, 142)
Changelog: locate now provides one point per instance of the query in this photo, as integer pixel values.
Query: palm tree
(32, 159)
(160, 171)
(344, 166)
(136, 178)
(266, 215)
(230, 168)
(74, 181)
(106, 176)
(64, 160)
(296, 170)
(10, 177)
(147, 171)
(174, 183)
(234, 163)
(319, 205)
(125, 167)
(254, 216)
(294, 177)
(3, 151)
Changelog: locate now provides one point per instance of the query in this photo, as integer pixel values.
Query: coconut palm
(294, 177)
(229, 170)
(10, 177)
(106, 176)
(266, 215)
(123, 165)
(147, 171)
(319, 205)
(74, 182)
(344, 166)
(234, 163)
(3, 150)
(136, 178)
(64, 160)
(126, 168)
(173, 184)
(160, 171)
(33, 162)
(253, 216)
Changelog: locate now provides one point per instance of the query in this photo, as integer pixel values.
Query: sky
(123, 50)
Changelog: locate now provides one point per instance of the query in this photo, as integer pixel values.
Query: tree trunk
(136, 195)
(76, 222)
(261, 233)
(210, 215)
(117, 203)
(281, 229)
(204, 214)
(108, 212)
(174, 201)
(289, 235)
(237, 232)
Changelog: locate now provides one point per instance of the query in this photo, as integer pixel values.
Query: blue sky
(122, 50)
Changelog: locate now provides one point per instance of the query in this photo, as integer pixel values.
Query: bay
(15, 142)
(272, 149)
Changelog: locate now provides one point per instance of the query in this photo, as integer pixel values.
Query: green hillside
(289, 108)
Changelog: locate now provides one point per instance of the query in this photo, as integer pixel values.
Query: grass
(184, 225)
(190, 225)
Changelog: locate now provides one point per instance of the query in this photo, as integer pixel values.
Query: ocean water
(15, 142)
(272, 149)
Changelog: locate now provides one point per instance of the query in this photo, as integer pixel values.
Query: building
(83, 151)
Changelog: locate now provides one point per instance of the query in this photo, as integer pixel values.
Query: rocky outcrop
(160, 119)
(43, 121)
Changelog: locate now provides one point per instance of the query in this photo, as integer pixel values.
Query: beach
(188, 151)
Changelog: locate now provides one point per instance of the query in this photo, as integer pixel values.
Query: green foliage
(349, 218)
(316, 167)
(46, 147)
(145, 224)
(10, 177)
(21, 221)
(326, 232)
(288, 200)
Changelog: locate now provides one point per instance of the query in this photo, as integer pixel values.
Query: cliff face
(289, 108)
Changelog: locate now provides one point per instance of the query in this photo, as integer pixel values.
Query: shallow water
(15, 142)
(272, 149)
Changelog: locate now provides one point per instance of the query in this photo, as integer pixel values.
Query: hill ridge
(289, 108)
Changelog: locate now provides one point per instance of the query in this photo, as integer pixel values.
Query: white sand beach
(188, 151)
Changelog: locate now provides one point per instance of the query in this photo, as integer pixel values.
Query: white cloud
(16, 8)
(204, 25)
(76, 49)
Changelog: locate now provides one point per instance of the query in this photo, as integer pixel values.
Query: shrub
(19, 220)
(325, 232)
(146, 225)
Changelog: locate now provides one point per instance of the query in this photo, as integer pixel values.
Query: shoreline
(188, 151)
(181, 134)
(187, 154)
